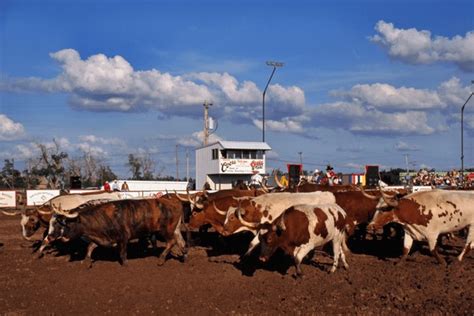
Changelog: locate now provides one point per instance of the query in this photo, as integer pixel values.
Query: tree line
(53, 168)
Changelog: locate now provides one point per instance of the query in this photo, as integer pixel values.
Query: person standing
(125, 186)
(115, 186)
(107, 186)
(256, 180)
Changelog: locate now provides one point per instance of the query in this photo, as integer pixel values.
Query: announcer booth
(224, 163)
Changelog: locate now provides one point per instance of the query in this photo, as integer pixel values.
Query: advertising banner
(241, 166)
(38, 197)
(7, 199)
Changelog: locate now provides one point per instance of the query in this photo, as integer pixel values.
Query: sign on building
(241, 165)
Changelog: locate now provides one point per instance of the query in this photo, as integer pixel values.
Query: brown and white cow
(425, 215)
(301, 228)
(251, 213)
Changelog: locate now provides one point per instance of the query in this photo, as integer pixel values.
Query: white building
(225, 162)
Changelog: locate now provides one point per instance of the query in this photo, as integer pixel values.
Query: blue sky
(364, 82)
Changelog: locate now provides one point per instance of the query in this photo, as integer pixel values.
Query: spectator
(206, 186)
(256, 180)
(331, 175)
(284, 180)
(115, 186)
(317, 176)
(125, 186)
(107, 186)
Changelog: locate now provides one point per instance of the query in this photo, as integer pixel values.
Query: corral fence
(31, 198)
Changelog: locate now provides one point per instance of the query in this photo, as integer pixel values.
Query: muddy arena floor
(213, 281)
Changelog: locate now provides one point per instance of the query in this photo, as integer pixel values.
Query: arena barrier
(7, 199)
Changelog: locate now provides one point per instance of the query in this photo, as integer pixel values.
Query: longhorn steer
(426, 215)
(253, 212)
(215, 208)
(301, 228)
(115, 223)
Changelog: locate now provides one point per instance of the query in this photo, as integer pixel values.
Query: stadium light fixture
(462, 135)
(275, 65)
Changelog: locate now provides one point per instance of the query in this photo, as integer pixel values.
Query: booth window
(215, 154)
(259, 154)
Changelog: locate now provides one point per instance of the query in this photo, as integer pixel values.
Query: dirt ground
(213, 281)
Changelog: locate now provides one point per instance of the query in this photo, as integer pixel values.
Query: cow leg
(469, 243)
(44, 244)
(345, 248)
(407, 243)
(432, 240)
(300, 253)
(169, 244)
(339, 242)
(88, 258)
(181, 243)
(122, 246)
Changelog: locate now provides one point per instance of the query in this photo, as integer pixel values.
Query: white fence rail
(38, 197)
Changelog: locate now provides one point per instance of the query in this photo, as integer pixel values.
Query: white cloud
(285, 125)
(402, 146)
(10, 130)
(96, 151)
(360, 120)
(196, 139)
(104, 83)
(385, 96)
(418, 47)
(26, 151)
(100, 140)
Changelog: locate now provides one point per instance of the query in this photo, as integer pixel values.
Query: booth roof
(241, 145)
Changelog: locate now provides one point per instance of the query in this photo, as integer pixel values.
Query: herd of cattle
(294, 219)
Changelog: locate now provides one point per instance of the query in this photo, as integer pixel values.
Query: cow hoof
(333, 269)
(298, 276)
(161, 261)
(184, 258)
(40, 255)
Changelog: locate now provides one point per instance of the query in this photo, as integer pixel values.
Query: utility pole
(406, 162)
(462, 136)
(177, 163)
(206, 122)
(273, 64)
(301, 156)
(187, 164)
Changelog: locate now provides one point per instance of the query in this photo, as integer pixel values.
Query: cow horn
(10, 213)
(265, 188)
(180, 198)
(68, 215)
(241, 198)
(220, 212)
(43, 212)
(278, 181)
(388, 199)
(366, 194)
(194, 201)
(244, 222)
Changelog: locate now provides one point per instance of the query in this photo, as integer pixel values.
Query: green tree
(50, 165)
(10, 178)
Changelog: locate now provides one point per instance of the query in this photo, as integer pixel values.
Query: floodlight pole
(273, 64)
(462, 136)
